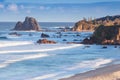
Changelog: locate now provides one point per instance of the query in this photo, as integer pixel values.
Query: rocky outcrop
(84, 26)
(44, 35)
(88, 41)
(105, 35)
(91, 25)
(29, 24)
(45, 41)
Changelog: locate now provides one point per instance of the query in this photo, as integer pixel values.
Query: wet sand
(111, 72)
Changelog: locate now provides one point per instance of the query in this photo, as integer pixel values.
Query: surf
(27, 57)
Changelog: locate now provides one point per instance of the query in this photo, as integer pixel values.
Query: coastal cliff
(29, 24)
(90, 25)
(105, 35)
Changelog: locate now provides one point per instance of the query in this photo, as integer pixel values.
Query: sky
(56, 1)
(56, 10)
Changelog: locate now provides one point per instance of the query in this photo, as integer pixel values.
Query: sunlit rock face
(92, 24)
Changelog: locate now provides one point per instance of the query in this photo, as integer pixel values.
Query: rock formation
(105, 35)
(93, 24)
(29, 24)
(45, 41)
(83, 25)
(44, 35)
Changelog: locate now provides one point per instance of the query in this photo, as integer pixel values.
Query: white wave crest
(47, 76)
(38, 50)
(91, 64)
(13, 43)
(28, 57)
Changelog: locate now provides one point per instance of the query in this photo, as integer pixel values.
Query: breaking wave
(28, 57)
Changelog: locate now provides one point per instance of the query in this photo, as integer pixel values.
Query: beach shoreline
(111, 72)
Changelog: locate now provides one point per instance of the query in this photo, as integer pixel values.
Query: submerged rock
(15, 33)
(29, 24)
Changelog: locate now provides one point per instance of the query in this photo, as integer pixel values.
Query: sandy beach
(111, 72)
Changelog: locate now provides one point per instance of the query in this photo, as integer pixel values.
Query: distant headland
(90, 25)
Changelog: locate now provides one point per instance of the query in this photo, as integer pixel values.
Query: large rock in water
(105, 35)
(29, 24)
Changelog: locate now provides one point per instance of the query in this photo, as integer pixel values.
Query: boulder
(44, 35)
(45, 41)
(88, 41)
(29, 24)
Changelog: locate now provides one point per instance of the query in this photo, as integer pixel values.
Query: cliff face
(29, 24)
(105, 35)
(93, 24)
(83, 25)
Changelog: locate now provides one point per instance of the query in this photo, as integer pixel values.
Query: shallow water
(22, 59)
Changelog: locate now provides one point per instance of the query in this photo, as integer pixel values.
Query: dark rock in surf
(15, 34)
(44, 35)
(45, 41)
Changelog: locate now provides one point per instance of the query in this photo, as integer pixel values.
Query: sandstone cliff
(105, 35)
(93, 24)
(29, 24)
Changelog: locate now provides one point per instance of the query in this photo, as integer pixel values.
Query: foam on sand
(47, 76)
(111, 72)
(38, 50)
(28, 57)
(92, 64)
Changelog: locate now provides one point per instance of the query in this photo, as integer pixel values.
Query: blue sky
(57, 10)
(56, 1)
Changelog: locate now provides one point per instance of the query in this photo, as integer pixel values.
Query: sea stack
(30, 23)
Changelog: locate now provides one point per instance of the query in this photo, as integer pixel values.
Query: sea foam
(38, 50)
(91, 64)
(13, 43)
(28, 57)
(47, 76)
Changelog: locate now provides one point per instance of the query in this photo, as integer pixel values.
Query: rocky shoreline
(105, 35)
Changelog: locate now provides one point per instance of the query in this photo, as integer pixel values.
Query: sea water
(21, 58)
(6, 26)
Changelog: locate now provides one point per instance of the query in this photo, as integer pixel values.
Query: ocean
(10, 25)
(21, 58)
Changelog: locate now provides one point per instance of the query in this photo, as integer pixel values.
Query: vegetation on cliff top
(93, 24)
